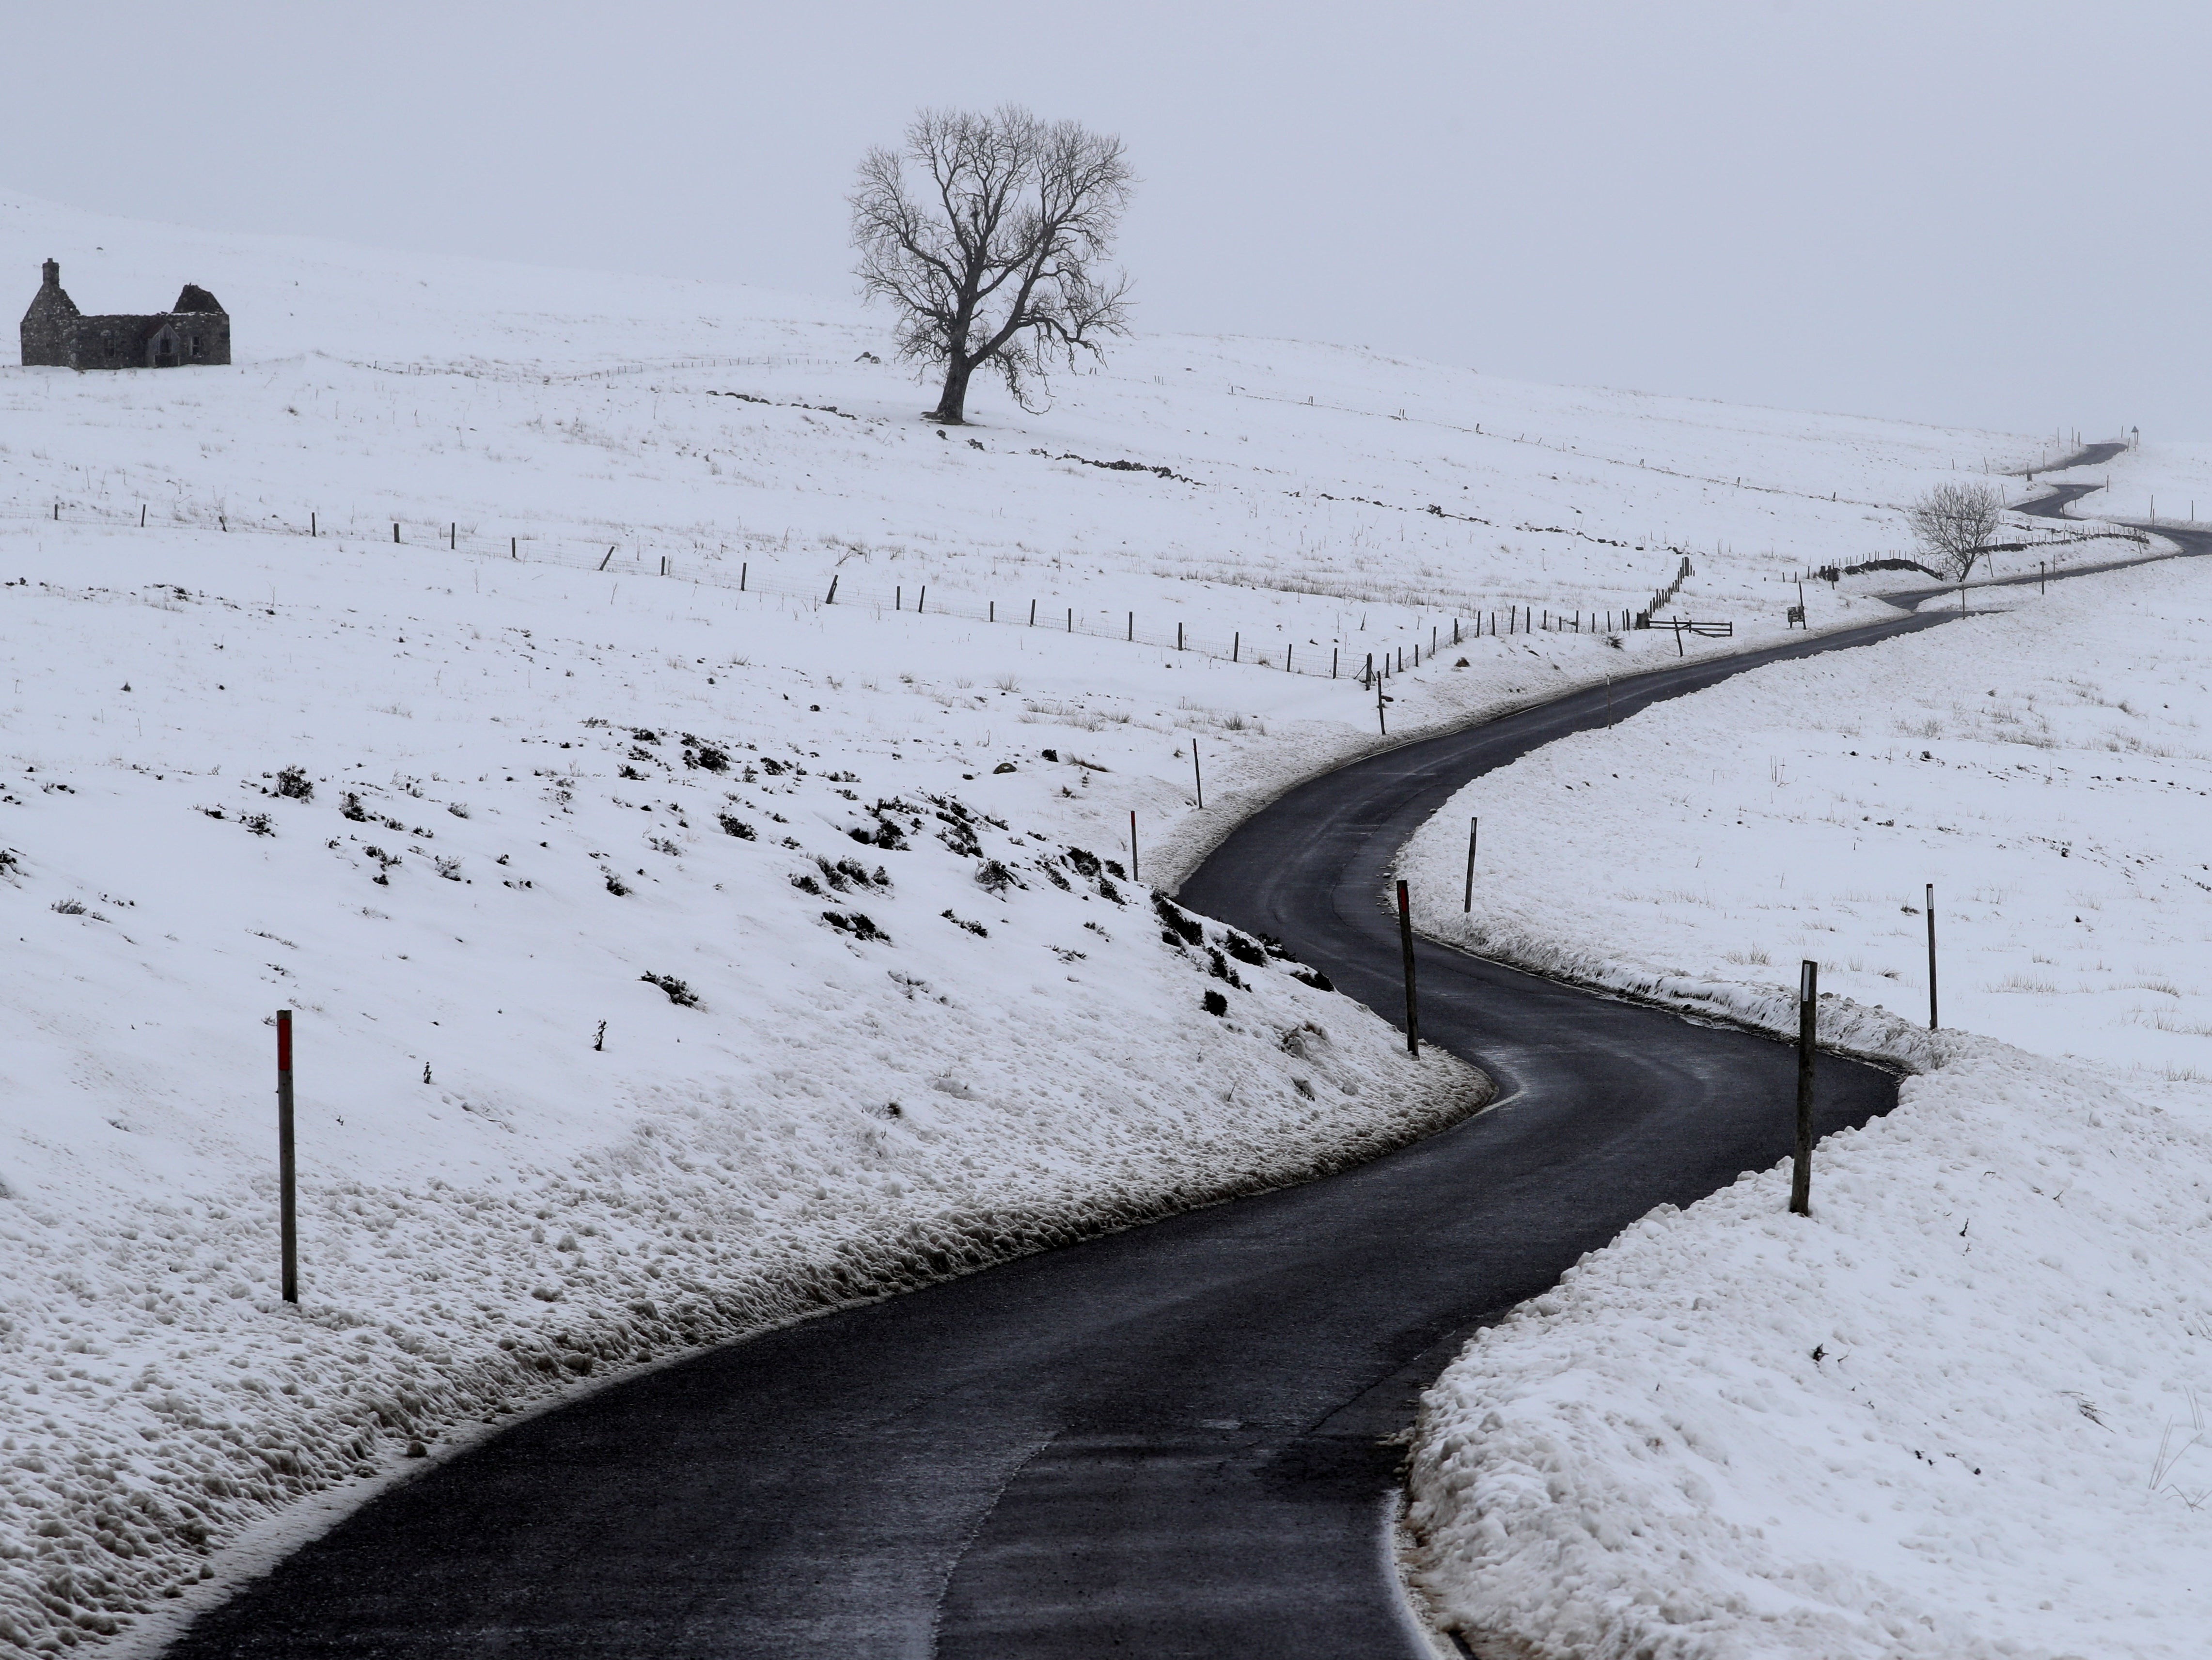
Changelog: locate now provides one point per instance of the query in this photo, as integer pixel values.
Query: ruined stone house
(57, 335)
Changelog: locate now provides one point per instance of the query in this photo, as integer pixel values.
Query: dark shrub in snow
(1243, 950)
(1180, 922)
(678, 994)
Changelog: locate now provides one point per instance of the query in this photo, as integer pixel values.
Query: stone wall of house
(127, 343)
(210, 328)
(49, 325)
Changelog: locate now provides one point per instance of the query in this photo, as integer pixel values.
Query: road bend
(1182, 1440)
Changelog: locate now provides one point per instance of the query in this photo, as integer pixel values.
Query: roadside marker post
(1406, 950)
(1801, 1175)
(288, 1210)
(1931, 957)
(1473, 825)
(1133, 877)
(1197, 777)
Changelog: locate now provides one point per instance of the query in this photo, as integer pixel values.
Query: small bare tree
(1955, 523)
(996, 260)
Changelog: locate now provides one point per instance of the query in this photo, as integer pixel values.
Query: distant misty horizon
(1959, 213)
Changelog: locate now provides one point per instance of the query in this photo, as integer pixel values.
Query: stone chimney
(52, 269)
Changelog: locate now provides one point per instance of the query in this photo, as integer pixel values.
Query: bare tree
(993, 257)
(1954, 523)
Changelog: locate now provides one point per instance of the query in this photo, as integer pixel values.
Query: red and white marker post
(288, 1205)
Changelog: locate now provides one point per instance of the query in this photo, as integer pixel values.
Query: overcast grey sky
(1961, 212)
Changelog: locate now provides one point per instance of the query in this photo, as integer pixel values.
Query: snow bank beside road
(2045, 767)
(1956, 1412)
(1950, 1415)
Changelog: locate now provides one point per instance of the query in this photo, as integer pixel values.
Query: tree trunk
(952, 409)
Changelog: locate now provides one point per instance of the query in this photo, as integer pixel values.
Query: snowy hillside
(1959, 1411)
(1314, 496)
(679, 953)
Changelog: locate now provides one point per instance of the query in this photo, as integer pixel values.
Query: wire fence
(1358, 665)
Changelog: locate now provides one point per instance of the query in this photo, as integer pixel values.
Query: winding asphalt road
(1176, 1441)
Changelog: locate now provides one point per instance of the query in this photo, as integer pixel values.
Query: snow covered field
(1959, 1411)
(870, 870)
